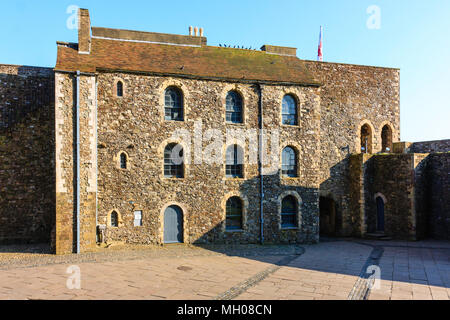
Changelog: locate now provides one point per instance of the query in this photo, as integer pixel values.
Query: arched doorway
(366, 139)
(386, 139)
(173, 225)
(328, 218)
(380, 214)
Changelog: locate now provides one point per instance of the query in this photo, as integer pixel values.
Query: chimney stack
(84, 32)
(190, 31)
(201, 32)
(196, 31)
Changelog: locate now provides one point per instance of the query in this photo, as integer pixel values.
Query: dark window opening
(289, 209)
(114, 219)
(366, 139)
(234, 214)
(289, 111)
(234, 107)
(120, 89)
(173, 161)
(386, 139)
(173, 104)
(234, 162)
(328, 217)
(123, 161)
(289, 163)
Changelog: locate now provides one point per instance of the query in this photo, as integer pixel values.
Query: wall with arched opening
(386, 139)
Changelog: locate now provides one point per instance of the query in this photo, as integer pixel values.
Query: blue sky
(414, 36)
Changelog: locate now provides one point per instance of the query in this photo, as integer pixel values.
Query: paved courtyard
(330, 270)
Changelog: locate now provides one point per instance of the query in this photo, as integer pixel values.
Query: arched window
(123, 161)
(234, 107)
(173, 104)
(234, 162)
(119, 89)
(386, 139)
(234, 214)
(289, 212)
(289, 163)
(366, 139)
(114, 219)
(173, 161)
(289, 111)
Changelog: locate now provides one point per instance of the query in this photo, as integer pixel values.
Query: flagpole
(320, 51)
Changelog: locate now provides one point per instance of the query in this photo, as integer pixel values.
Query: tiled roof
(206, 62)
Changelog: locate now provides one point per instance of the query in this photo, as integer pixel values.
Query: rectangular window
(138, 218)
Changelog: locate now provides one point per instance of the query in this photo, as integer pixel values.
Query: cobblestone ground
(330, 270)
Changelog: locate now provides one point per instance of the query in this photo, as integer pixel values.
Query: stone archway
(386, 139)
(328, 217)
(366, 139)
(173, 224)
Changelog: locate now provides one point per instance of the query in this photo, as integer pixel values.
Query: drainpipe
(78, 160)
(260, 164)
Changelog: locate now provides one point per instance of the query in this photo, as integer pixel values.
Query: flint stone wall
(438, 193)
(430, 146)
(135, 124)
(399, 180)
(27, 187)
(352, 96)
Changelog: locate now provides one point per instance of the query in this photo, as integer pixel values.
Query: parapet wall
(430, 146)
(27, 188)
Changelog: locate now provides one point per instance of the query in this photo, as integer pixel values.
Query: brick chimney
(84, 32)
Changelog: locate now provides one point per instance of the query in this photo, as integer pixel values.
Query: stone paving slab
(329, 270)
(325, 271)
(418, 271)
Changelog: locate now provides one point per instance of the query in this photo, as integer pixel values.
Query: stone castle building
(88, 147)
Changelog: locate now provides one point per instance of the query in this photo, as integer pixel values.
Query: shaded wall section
(430, 146)
(27, 188)
(415, 191)
(352, 96)
(438, 179)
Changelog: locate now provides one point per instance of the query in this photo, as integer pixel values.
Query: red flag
(320, 54)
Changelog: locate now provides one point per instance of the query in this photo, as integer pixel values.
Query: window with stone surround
(119, 87)
(114, 219)
(289, 212)
(289, 112)
(366, 139)
(173, 105)
(289, 163)
(234, 210)
(173, 161)
(123, 161)
(234, 112)
(234, 167)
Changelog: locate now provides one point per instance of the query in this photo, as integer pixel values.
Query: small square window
(138, 218)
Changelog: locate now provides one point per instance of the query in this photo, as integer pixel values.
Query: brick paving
(329, 270)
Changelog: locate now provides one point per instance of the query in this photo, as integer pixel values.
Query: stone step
(377, 236)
